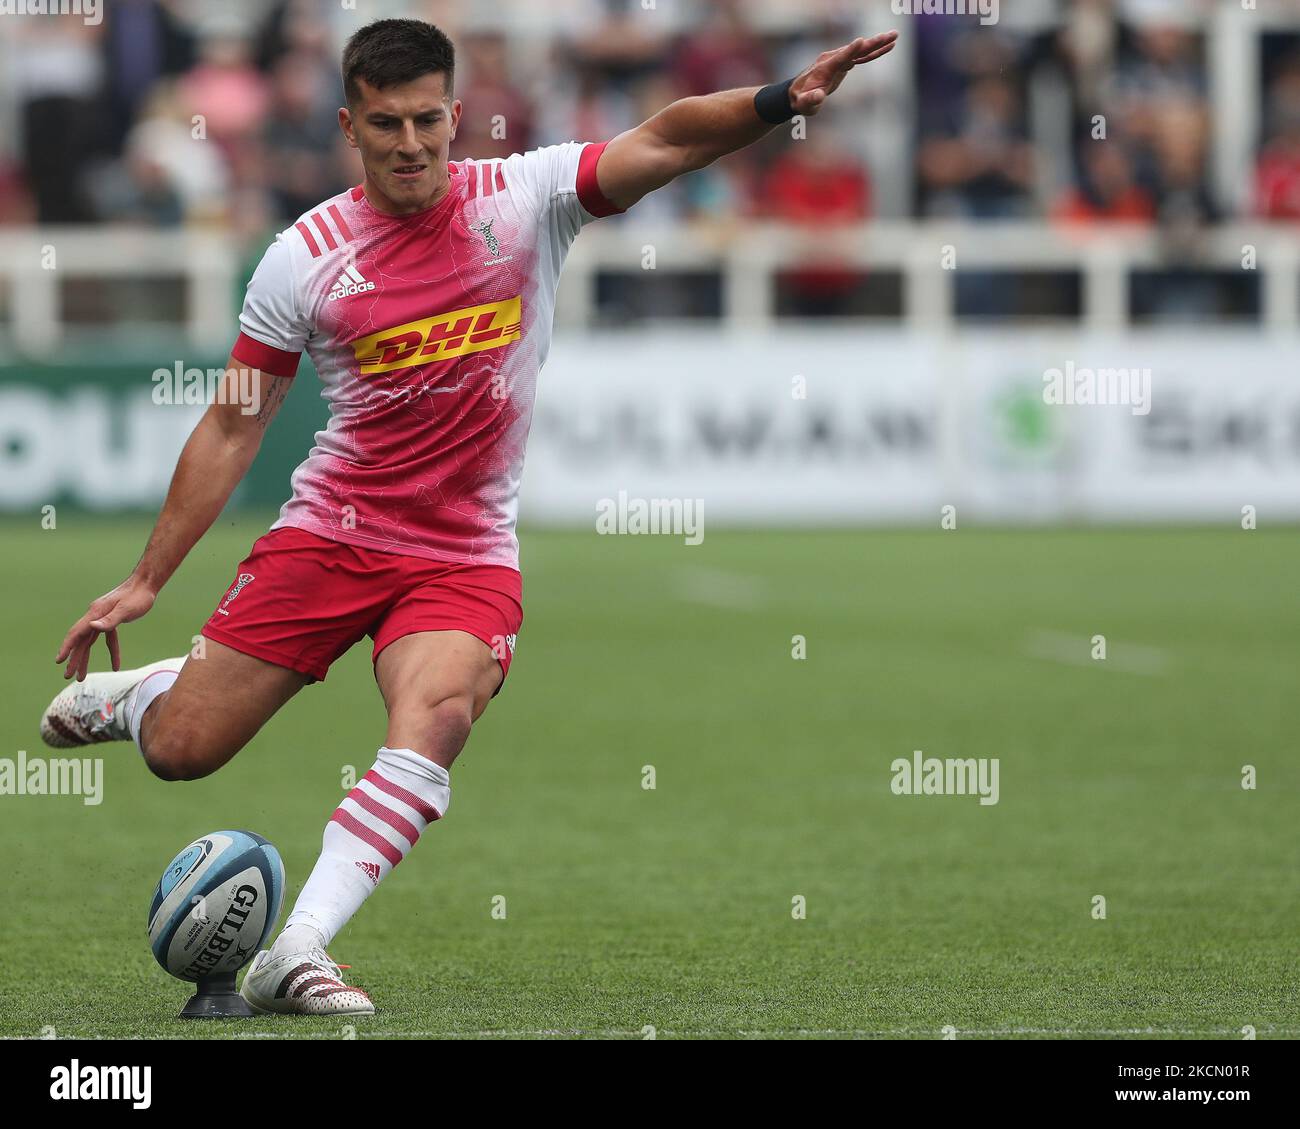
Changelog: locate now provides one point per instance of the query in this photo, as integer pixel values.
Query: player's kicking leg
(435, 685)
(99, 708)
(188, 716)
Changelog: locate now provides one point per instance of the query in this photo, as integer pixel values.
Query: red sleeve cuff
(253, 353)
(589, 194)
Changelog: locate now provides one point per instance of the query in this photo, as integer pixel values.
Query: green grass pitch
(671, 908)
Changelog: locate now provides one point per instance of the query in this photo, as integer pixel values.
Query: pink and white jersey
(428, 332)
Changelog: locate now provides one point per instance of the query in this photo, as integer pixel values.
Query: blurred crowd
(167, 113)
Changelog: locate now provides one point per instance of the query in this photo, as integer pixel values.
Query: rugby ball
(216, 904)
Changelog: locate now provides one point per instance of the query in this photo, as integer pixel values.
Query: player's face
(404, 134)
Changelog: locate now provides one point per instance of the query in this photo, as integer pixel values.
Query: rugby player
(425, 298)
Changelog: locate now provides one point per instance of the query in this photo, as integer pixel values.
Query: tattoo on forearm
(274, 398)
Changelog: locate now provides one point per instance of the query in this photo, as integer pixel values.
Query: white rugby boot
(86, 713)
(307, 983)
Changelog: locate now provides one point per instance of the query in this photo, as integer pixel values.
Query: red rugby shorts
(300, 601)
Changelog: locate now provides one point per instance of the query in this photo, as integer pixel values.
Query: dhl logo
(444, 335)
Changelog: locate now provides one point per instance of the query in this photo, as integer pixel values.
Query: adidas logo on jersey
(350, 282)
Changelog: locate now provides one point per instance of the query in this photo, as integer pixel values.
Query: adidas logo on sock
(372, 871)
(351, 281)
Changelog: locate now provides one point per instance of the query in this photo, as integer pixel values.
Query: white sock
(144, 695)
(297, 939)
(369, 833)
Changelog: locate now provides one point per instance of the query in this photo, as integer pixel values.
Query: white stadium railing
(1104, 257)
(927, 256)
(35, 263)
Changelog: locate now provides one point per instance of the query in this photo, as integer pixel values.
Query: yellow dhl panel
(470, 330)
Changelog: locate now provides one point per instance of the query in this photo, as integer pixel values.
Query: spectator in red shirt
(723, 53)
(1108, 192)
(491, 100)
(817, 184)
(1277, 173)
(1277, 177)
(16, 204)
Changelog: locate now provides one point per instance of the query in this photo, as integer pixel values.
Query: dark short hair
(390, 52)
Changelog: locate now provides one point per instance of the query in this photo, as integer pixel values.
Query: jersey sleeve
(273, 332)
(562, 182)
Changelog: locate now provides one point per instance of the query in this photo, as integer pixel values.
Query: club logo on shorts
(503, 646)
(244, 579)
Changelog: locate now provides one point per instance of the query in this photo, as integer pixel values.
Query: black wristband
(772, 103)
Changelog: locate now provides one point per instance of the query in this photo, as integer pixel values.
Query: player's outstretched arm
(695, 132)
(216, 456)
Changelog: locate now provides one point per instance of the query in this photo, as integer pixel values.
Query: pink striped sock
(369, 833)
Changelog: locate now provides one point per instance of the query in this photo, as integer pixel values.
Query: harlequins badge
(484, 228)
